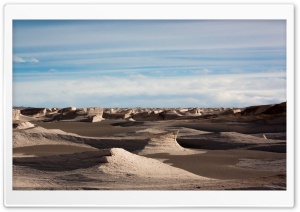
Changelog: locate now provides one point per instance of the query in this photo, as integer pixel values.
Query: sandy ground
(225, 164)
(215, 153)
(103, 128)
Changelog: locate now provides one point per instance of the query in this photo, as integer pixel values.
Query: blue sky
(145, 63)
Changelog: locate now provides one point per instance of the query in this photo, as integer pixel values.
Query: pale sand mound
(29, 118)
(21, 125)
(150, 131)
(44, 130)
(122, 162)
(41, 136)
(165, 143)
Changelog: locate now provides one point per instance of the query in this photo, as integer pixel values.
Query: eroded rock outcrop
(67, 109)
(94, 112)
(265, 109)
(34, 112)
(122, 162)
(164, 143)
(16, 114)
(21, 125)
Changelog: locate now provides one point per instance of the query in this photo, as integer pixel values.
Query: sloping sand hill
(150, 148)
(122, 162)
(165, 143)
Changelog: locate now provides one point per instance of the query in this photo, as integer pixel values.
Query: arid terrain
(150, 148)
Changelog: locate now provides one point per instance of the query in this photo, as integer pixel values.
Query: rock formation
(265, 109)
(21, 125)
(67, 109)
(94, 111)
(16, 114)
(163, 143)
(122, 162)
(34, 112)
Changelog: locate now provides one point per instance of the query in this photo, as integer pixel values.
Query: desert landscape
(149, 104)
(150, 148)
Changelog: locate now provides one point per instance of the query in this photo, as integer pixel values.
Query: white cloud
(218, 90)
(33, 60)
(17, 59)
(122, 48)
(201, 71)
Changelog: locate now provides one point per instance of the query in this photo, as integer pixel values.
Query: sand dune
(21, 125)
(111, 164)
(41, 136)
(165, 143)
(122, 162)
(150, 148)
(30, 118)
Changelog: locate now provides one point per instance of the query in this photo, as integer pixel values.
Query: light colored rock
(141, 115)
(229, 111)
(23, 125)
(94, 111)
(165, 143)
(122, 162)
(96, 118)
(237, 110)
(192, 112)
(81, 111)
(16, 114)
(34, 112)
(67, 109)
(170, 114)
(195, 111)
